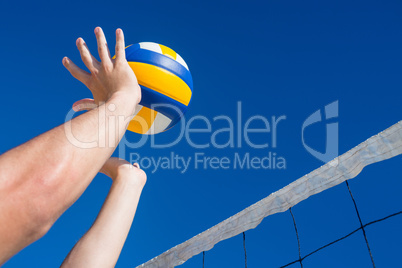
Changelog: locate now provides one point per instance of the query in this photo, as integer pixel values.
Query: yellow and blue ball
(166, 87)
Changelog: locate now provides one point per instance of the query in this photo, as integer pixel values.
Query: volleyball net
(385, 145)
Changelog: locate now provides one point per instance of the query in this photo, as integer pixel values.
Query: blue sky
(278, 58)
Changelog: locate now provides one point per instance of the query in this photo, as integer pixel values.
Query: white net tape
(382, 146)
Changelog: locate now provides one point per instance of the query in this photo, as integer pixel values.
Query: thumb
(84, 104)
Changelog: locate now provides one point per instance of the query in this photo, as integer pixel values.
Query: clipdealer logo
(200, 160)
(331, 112)
(237, 136)
(242, 142)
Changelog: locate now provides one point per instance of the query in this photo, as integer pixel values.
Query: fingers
(103, 50)
(111, 165)
(86, 56)
(84, 104)
(120, 50)
(90, 61)
(76, 71)
(137, 165)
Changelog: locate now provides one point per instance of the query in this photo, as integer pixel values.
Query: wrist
(123, 102)
(129, 182)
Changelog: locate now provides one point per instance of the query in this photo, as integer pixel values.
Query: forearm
(40, 179)
(53, 157)
(102, 244)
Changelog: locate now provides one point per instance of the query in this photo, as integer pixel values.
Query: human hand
(108, 78)
(122, 171)
(102, 244)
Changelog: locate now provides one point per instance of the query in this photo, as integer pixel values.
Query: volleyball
(166, 87)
